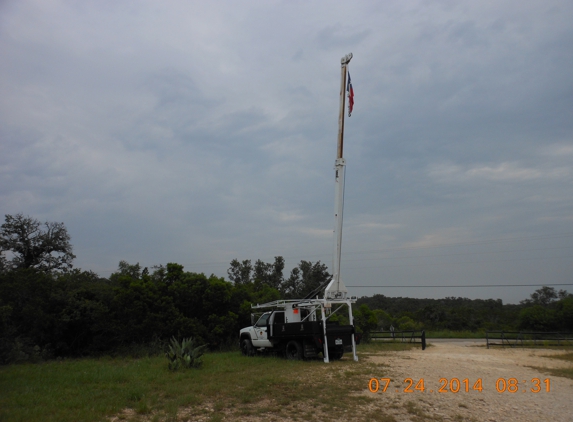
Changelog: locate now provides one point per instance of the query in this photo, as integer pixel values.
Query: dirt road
(471, 361)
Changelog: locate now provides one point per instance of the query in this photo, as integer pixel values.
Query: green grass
(560, 372)
(566, 356)
(228, 386)
(76, 390)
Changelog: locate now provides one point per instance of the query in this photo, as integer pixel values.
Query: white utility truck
(296, 327)
(301, 328)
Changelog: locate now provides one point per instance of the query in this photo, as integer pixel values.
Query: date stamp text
(456, 385)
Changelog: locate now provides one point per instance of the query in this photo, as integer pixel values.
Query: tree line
(545, 310)
(50, 309)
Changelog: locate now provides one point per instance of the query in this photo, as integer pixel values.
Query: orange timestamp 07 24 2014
(455, 385)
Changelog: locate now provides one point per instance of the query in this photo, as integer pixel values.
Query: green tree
(268, 274)
(258, 275)
(406, 323)
(366, 321)
(432, 316)
(304, 279)
(384, 319)
(125, 269)
(85, 319)
(240, 272)
(29, 303)
(544, 296)
(46, 249)
(537, 318)
(564, 313)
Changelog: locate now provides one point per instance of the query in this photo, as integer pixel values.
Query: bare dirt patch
(468, 360)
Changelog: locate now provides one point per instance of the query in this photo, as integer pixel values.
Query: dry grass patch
(566, 372)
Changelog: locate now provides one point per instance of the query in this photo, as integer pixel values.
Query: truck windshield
(262, 322)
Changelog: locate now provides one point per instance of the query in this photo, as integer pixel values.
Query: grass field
(229, 386)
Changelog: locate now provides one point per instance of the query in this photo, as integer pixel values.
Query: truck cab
(258, 333)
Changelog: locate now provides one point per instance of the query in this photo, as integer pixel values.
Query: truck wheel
(293, 350)
(247, 347)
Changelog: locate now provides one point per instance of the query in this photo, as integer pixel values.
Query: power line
(408, 248)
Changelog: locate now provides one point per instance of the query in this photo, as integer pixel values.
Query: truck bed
(311, 330)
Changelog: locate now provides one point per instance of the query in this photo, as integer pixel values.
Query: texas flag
(350, 92)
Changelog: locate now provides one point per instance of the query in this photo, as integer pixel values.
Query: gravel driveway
(470, 360)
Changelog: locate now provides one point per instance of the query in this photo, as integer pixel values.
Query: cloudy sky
(199, 132)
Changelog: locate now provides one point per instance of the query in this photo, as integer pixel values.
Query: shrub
(537, 318)
(406, 323)
(184, 354)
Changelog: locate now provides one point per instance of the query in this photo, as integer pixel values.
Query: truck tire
(247, 347)
(293, 350)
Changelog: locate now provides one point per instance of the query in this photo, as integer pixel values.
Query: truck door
(276, 321)
(260, 329)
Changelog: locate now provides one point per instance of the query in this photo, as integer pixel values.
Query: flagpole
(343, 70)
(339, 167)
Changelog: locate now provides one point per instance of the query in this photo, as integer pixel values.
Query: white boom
(336, 289)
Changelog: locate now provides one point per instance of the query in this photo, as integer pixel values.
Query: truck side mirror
(252, 319)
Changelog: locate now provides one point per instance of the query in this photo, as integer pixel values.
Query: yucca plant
(184, 354)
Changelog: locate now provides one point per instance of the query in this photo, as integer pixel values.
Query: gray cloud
(197, 134)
